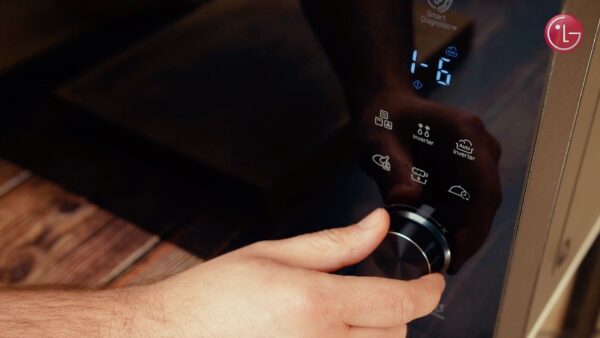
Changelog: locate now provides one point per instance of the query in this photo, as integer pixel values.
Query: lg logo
(564, 33)
(441, 6)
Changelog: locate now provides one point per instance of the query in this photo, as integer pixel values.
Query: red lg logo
(564, 33)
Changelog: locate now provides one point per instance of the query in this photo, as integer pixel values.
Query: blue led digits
(443, 76)
(413, 66)
(441, 71)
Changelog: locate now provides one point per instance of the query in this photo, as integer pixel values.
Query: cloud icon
(452, 52)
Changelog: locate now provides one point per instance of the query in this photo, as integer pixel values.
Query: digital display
(438, 72)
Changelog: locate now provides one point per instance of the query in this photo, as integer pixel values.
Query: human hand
(284, 289)
(468, 221)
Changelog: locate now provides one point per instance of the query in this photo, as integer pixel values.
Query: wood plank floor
(51, 236)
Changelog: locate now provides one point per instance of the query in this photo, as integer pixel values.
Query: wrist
(147, 312)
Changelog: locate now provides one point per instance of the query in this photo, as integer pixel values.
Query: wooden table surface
(51, 236)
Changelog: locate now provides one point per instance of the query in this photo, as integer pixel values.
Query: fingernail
(371, 220)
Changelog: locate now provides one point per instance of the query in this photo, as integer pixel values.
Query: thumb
(328, 250)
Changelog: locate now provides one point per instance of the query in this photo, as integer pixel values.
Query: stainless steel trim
(416, 245)
(420, 220)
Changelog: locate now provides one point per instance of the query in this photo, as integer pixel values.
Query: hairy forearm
(368, 42)
(127, 312)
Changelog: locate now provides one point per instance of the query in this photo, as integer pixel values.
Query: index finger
(380, 302)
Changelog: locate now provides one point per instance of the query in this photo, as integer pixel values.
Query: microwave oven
(489, 169)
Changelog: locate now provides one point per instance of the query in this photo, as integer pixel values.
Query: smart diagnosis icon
(459, 191)
(441, 6)
(436, 17)
(382, 161)
(564, 33)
